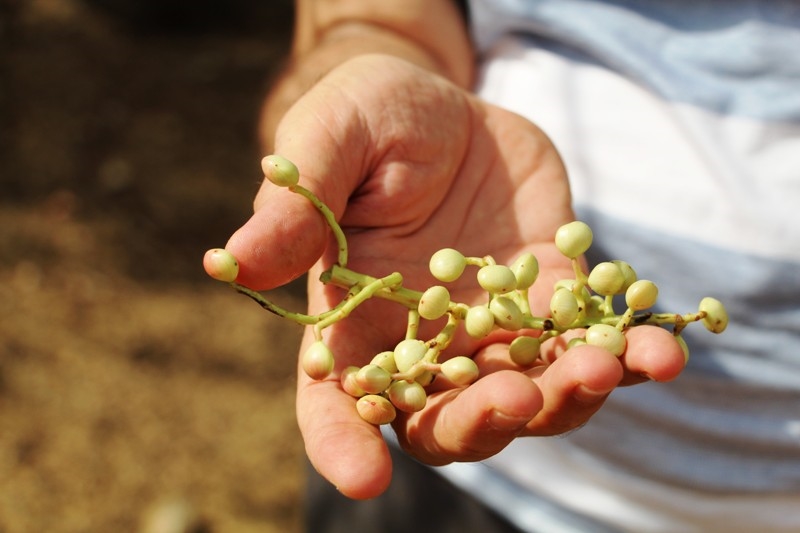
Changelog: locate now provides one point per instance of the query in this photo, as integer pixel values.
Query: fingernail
(586, 395)
(504, 422)
(647, 376)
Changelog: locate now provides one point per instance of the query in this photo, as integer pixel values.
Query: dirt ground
(129, 381)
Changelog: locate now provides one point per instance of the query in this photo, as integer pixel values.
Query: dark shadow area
(139, 117)
(131, 385)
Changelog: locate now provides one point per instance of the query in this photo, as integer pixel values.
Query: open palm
(410, 163)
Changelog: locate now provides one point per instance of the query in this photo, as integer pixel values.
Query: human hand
(409, 164)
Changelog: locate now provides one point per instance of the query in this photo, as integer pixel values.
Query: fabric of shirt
(679, 124)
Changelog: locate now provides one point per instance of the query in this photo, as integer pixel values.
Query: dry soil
(130, 383)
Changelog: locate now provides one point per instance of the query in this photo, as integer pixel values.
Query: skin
(385, 131)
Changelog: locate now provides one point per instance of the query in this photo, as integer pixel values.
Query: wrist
(435, 39)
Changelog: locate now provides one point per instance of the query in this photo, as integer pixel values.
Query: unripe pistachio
(376, 409)
(447, 264)
(595, 306)
(479, 321)
(461, 370)
(524, 350)
(608, 337)
(564, 283)
(373, 379)
(506, 313)
(627, 272)
(716, 319)
(573, 239)
(425, 378)
(497, 279)
(280, 171)
(564, 307)
(606, 278)
(570, 284)
(385, 360)
(408, 396)
(434, 302)
(575, 341)
(349, 383)
(526, 270)
(221, 265)
(318, 361)
(642, 294)
(408, 352)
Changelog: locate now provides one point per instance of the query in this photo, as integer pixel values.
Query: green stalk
(345, 278)
(357, 298)
(341, 241)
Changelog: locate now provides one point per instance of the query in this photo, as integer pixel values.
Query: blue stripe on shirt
(734, 412)
(737, 57)
(762, 296)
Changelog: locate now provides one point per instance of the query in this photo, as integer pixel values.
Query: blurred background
(133, 388)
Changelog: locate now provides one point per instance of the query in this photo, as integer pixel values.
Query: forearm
(429, 33)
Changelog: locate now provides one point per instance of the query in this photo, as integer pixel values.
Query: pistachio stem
(362, 287)
(357, 298)
(299, 318)
(341, 240)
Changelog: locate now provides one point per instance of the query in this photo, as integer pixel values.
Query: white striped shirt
(679, 123)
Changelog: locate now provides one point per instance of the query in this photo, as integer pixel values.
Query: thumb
(281, 241)
(286, 234)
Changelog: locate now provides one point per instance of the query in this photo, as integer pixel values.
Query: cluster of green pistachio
(395, 379)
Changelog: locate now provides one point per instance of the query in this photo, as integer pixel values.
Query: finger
(280, 242)
(574, 387)
(473, 423)
(347, 451)
(652, 354)
(495, 357)
(287, 234)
